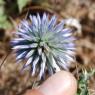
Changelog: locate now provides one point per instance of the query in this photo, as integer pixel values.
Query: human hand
(61, 83)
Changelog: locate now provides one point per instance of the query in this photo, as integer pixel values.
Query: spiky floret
(45, 44)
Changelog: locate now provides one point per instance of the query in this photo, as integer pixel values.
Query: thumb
(61, 83)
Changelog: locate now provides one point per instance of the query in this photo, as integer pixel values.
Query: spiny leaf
(83, 82)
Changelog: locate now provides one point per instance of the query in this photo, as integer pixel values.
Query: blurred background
(80, 16)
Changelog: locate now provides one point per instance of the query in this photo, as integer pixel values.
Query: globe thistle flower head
(45, 44)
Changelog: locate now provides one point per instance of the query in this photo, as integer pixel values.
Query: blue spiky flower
(45, 44)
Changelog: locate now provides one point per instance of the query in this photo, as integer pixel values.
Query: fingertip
(61, 83)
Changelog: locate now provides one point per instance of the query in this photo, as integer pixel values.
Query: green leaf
(2, 2)
(4, 23)
(22, 4)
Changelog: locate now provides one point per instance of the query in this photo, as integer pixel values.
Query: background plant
(5, 21)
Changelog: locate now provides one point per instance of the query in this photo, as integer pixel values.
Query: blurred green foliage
(22, 4)
(5, 22)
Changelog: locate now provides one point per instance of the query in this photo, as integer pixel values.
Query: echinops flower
(45, 44)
